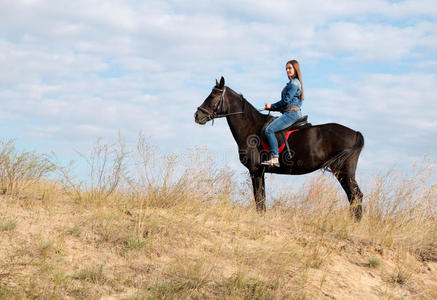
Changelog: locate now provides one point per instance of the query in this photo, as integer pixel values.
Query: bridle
(219, 107)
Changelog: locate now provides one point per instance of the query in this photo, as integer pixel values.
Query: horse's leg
(346, 177)
(259, 191)
(353, 193)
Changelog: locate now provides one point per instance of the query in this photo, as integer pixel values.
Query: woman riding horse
(289, 105)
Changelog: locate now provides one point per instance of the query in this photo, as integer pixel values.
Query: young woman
(289, 105)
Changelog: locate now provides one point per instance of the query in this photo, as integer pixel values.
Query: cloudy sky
(72, 71)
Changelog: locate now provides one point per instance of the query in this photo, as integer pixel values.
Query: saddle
(282, 136)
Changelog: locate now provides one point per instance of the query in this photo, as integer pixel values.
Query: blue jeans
(284, 121)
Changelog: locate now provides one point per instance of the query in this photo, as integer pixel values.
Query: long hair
(297, 73)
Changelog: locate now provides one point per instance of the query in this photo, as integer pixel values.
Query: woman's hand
(267, 106)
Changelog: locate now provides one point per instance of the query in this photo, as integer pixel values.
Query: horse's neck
(243, 125)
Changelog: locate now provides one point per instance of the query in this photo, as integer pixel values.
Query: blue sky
(73, 71)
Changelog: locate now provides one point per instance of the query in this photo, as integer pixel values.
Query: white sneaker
(272, 162)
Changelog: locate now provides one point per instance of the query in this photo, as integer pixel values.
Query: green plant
(46, 248)
(133, 243)
(75, 230)
(373, 262)
(8, 225)
(93, 274)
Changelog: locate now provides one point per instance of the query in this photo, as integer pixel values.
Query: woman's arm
(291, 90)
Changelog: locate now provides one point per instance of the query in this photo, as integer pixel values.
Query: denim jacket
(290, 96)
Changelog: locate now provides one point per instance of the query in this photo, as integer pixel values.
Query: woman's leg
(284, 121)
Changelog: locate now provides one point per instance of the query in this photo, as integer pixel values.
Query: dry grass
(20, 169)
(179, 227)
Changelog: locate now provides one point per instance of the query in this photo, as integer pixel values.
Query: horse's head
(213, 106)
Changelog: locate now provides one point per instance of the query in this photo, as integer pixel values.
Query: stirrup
(270, 163)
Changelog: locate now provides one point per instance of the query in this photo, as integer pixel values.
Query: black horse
(332, 146)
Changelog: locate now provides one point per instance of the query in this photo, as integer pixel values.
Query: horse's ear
(216, 83)
(222, 82)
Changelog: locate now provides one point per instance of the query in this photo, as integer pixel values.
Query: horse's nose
(195, 116)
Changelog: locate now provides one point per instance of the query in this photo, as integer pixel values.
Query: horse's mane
(248, 106)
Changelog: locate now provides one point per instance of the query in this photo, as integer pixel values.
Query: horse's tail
(335, 163)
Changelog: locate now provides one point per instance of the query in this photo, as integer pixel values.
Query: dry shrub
(319, 206)
(173, 180)
(104, 171)
(185, 277)
(21, 169)
(401, 209)
(187, 181)
(243, 286)
(145, 177)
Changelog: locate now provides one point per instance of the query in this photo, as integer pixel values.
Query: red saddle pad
(282, 146)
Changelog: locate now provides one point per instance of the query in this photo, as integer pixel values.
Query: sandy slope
(60, 248)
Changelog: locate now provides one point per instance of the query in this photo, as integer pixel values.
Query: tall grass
(166, 181)
(104, 171)
(21, 169)
(400, 210)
